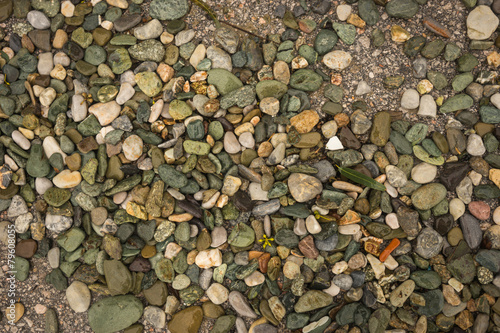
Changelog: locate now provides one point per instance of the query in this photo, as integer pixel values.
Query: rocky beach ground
(249, 166)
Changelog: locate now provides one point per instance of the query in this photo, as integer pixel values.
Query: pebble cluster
(180, 183)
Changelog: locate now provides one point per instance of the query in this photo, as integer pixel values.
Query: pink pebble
(479, 209)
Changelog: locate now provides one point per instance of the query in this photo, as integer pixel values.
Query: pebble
(217, 293)
(343, 12)
(105, 112)
(475, 146)
(337, 60)
(78, 296)
(132, 147)
(427, 107)
(424, 173)
(38, 20)
(410, 99)
(239, 303)
(193, 142)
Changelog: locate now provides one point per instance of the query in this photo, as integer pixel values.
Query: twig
(241, 29)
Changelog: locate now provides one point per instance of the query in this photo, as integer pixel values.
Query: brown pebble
(436, 27)
(26, 248)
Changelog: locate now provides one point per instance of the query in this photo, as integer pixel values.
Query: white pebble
(391, 220)
(21, 140)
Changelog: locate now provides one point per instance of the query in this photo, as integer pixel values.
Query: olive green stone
(413, 46)
(187, 320)
(179, 109)
(461, 81)
(437, 79)
(171, 176)
(241, 235)
(56, 196)
(149, 83)
(489, 114)
(452, 52)
(466, 63)
(270, 88)
(115, 313)
(433, 49)
(457, 102)
(393, 82)
(381, 128)
(223, 80)
(423, 155)
(119, 61)
(191, 294)
(428, 196)
(305, 80)
(37, 165)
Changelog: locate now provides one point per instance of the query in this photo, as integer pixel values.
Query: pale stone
(67, 179)
(105, 112)
(457, 208)
(78, 296)
(126, 93)
(198, 55)
(209, 258)
(67, 8)
(51, 146)
(255, 279)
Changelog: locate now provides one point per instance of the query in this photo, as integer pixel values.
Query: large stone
(115, 313)
(481, 23)
(168, 9)
(186, 321)
(313, 300)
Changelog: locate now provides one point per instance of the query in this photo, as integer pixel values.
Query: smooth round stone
(343, 12)
(231, 144)
(479, 209)
(78, 296)
(304, 187)
(428, 196)
(67, 179)
(429, 243)
(105, 112)
(181, 282)
(38, 20)
(424, 173)
(391, 220)
(337, 60)
(21, 140)
(410, 99)
(115, 313)
(312, 225)
(132, 147)
(217, 293)
(155, 316)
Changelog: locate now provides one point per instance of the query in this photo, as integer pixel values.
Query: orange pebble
(388, 250)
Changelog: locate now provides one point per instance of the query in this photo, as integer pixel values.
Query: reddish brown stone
(263, 261)
(307, 247)
(26, 248)
(480, 210)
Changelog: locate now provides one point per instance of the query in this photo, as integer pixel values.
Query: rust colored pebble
(388, 250)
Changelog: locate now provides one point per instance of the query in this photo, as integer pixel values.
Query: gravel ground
(257, 16)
